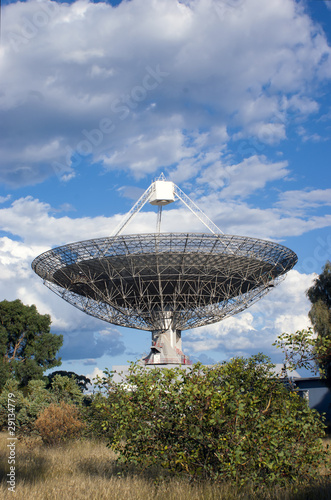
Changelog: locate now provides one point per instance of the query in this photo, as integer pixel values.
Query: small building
(317, 393)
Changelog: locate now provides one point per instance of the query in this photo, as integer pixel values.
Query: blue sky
(229, 98)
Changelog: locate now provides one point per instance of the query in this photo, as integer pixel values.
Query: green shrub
(233, 421)
(98, 417)
(66, 389)
(28, 404)
(30, 401)
(59, 422)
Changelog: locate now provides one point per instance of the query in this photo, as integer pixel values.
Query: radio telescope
(164, 282)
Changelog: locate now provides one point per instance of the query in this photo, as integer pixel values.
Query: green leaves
(27, 346)
(66, 389)
(33, 399)
(304, 349)
(320, 315)
(233, 421)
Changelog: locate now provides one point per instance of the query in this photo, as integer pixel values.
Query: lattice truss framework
(139, 281)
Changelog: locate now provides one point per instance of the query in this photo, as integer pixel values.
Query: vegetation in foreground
(229, 431)
(229, 422)
(87, 469)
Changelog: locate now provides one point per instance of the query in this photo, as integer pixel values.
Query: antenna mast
(160, 193)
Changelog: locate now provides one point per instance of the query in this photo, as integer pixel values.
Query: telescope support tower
(166, 348)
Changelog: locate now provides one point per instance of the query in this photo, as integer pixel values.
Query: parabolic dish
(140, 280)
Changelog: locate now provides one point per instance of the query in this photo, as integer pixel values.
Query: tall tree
(81, 381)
(27, 346)
(4, 365)
(319, 295)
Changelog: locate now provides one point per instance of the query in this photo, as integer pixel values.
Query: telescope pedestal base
(166, 348)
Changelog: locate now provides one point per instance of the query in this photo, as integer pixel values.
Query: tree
(66, 389)
(311, 348)
(319, 295)
(80, 380)
(302, 350)
(4, 365)
(234, 421)
(28, 405)
(27, 346)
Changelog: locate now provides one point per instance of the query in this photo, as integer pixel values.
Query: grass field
(88, 470)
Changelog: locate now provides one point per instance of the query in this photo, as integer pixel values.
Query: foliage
(30, 401)
(27, 406)
(86, 469)
(4, 365)
(98, 416)
(320, 315)
(59, 422)
(230, 422)
(302, 351)
(66, 389)
(311, 348)
(27, 346)
(80, 380)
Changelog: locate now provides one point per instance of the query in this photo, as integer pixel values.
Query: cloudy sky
(229, 98)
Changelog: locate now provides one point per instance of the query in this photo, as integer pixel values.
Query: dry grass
(87, 470)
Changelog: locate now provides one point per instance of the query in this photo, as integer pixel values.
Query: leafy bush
(28, 404)
(59, 423)
(30, 401)
(66, 389)
(235, 421)
(98, 417)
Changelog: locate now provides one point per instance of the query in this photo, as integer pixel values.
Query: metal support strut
(154, 195)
